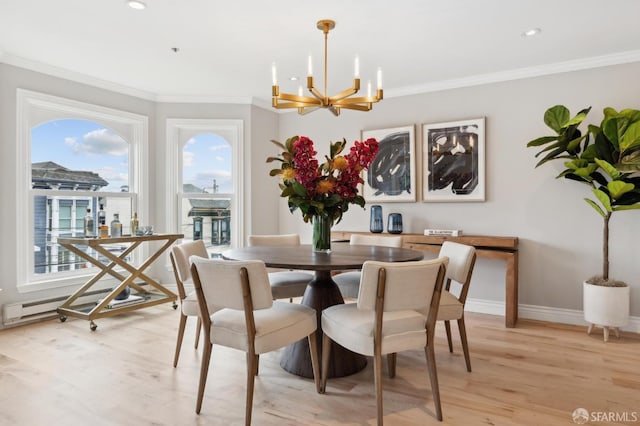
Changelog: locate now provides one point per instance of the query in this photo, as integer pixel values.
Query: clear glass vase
(322, 234)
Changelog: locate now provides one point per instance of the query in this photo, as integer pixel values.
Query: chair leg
(315, 365)
(252, 365)
(181, 327)
(377, 378)
(204, 370)
(324, 371)
(257, 364)
(465, 345)
(391, 364)
(198, 329)
(433, 376)
(447, 326)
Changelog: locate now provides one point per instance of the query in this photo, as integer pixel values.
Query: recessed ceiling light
(136, 4)
(532, 32)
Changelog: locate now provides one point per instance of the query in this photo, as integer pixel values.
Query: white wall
(560, 236)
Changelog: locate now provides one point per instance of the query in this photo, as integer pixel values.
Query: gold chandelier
(306, 104)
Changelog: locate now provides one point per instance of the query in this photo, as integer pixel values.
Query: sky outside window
(83, 146)
(207, 157)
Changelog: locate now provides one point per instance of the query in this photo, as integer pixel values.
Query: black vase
(124, 294)
(394, 225)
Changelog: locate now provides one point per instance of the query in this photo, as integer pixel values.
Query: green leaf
(287, 191)
(272, 159)
(586, 171)
(541, 141)
(579, 118)
(618, 188)
(575, 144)
(631, 138)
(289, 143)
(608, 168)
(596, 207)
(627, 207)
(275, 172)
(614, 128)
(556, 116)
(603, 198)
(299, 189)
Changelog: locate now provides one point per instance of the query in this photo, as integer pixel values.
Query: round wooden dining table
(321, 292)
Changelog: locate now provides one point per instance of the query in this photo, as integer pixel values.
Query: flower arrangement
(326, 189)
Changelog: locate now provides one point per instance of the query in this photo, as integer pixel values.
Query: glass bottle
(134, 223)
(89, 225)
(116, 226)
(375, 224)
(102, 216)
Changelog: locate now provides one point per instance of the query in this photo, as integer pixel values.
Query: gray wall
(560, 236)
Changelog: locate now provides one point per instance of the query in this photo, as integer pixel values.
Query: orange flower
(289, 174)
(324, 186)
(340, 163)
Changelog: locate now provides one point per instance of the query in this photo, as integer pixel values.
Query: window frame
(35, 108)
(179, 131)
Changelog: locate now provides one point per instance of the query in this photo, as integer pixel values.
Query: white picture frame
(453, 163)
(392, 174)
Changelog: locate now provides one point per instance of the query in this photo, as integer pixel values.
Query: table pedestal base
(321, 293)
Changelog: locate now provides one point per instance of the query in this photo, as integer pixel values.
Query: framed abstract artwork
(391, 176)
(453, 161)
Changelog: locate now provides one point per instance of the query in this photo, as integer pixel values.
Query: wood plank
(538, 373)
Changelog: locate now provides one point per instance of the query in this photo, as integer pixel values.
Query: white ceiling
(226, 48)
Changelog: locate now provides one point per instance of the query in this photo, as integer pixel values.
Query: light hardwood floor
(54, 373)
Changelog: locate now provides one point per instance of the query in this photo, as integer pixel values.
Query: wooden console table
(104, 308)
(488, 247)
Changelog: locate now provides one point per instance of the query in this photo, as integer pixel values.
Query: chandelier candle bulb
(356, 73)
(379, 79)
(274, 74)
(310, 66)
(369, 89)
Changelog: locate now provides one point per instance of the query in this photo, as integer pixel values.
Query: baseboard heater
(23, 312)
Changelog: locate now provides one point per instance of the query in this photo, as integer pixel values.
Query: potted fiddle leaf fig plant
(607, 159)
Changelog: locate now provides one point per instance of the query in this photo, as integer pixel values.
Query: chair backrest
(222, 286)
(408, 285)
(462, 259)
(375, 240)
(179, 255)
(284, 240)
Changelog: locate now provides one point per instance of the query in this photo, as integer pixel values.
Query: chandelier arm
(360, 100)
(358, 107)
(340, 96)
(300, 99)
(318, 96)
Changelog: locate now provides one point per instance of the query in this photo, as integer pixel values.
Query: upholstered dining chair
(284, 284)
(462, 259)
(179, 256)
(388, 318)
(249, 320)
(349, 281)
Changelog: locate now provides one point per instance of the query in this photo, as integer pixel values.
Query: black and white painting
(391, 176)
(453, 161)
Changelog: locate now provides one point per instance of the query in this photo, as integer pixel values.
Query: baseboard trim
(541, 313)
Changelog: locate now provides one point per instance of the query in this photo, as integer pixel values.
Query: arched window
(72, 157)
(207, 178)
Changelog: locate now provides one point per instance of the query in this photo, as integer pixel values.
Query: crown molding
(477, 80)
(204, 99)
(75, 76)
(519, 73)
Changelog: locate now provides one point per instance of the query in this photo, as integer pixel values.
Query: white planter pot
(606, 306)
